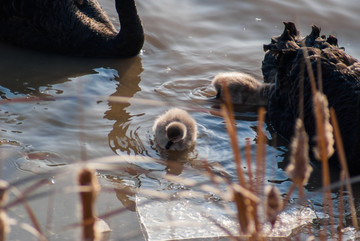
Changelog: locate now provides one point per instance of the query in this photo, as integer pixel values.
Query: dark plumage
(76, 27)
(340, 80)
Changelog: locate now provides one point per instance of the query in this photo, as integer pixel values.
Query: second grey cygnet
(243, 88)
(175, 130)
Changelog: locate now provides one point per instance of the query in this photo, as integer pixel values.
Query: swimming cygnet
(175, 130)
(243, 88)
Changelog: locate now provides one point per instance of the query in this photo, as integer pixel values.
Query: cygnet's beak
(218, 94)
(215, 97)
(168, 145)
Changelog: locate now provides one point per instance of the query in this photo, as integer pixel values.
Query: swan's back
(340, 78)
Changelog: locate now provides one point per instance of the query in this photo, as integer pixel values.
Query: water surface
(187, 43)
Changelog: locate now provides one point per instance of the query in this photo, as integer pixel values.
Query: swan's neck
(129, 19)
(130, 39)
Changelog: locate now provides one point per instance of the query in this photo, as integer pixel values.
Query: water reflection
(26, 72)
(123, 139)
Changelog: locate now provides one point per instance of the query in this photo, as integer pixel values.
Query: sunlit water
(187, 43)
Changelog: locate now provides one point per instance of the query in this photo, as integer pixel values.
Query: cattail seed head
(299, 169)
(273, 203)
(88, 179)
(321, 109)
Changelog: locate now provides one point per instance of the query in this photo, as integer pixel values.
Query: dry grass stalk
(324, 135)
(319, 76)
(321, 111)
(345, 170)
(24, 194)
(260, 164)
(324, 149)
(34, 221)
(228, 115)
(309, 70)
(260, 152)
(301, 91)
(87, 178)
(273, 204)
(244, 212)
(341, 207)
(23, 197)
(249, 164)
(4, 226)
(246, 208)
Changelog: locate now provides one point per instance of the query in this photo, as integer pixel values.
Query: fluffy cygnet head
(243, 88)
(175, 130)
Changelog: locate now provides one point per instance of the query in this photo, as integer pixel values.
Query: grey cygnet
(243, 88)
(175, 130)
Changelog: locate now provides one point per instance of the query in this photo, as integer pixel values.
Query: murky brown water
(187, 43)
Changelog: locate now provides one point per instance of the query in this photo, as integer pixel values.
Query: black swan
(175, 130)
(339, 77)
(75, 27)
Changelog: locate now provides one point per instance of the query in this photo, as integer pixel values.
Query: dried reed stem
(324, 149)
(246, 208)
(34, 220)
(251, 184)
(345, 170)
(301, 91)
(228, 115)
(309, 70)
(22, 197)
(341, 205)
(87, 179)
(260, 152)
(244, 212)
(4, 226)
(319, 74)
(81, 121)
(249, 164)
(324, 137)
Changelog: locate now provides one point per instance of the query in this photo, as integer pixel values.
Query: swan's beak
(168, 145)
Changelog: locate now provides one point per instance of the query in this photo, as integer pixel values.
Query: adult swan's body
(340, 77)
(76, 27)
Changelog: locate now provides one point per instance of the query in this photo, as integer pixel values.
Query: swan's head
(175, 132)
